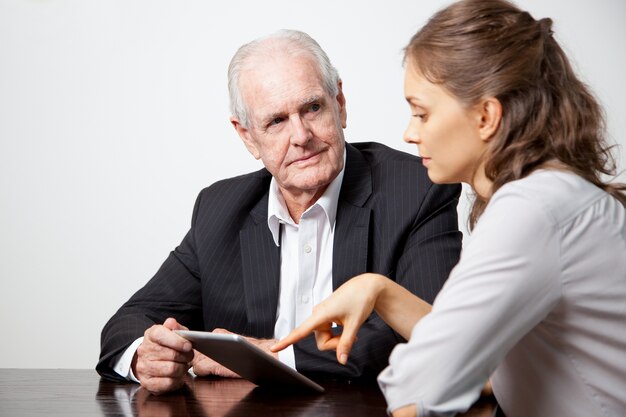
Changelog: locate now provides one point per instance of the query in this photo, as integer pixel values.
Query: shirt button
(305, 299)
(307, 248)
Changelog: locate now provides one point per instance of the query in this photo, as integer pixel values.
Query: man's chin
(310, 186)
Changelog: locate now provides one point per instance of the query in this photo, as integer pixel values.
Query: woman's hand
(408, 411)
(350, 305)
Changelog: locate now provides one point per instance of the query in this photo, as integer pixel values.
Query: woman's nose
(411, 134)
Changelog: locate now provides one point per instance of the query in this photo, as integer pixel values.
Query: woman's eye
(421, 116)
(315, 107)
(276, 121)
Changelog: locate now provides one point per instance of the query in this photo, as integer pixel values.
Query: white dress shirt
(306, 258)
(305, 269)
(539, 297)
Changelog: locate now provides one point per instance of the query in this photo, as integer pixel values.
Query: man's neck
(298, 203)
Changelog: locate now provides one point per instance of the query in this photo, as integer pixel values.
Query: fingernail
(343, 358)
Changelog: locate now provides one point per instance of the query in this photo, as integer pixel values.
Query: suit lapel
(261, 272)
(353, 220)
(261, 257)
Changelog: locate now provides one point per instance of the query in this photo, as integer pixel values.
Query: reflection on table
(36, 392)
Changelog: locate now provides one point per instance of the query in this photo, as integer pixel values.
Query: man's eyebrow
(267, 119)
(318, 98)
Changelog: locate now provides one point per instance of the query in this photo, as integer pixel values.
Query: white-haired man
(265, 247)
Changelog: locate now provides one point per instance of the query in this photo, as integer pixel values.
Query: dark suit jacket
(390, 219)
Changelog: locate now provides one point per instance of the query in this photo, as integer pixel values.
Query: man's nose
(301, 132)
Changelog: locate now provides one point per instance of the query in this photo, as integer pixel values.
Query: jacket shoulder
(252, 180)
(377, 153)
(240, 193)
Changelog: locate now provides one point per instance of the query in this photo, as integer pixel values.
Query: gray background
(114, 114)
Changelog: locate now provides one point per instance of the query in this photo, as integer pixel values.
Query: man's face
(295, 126)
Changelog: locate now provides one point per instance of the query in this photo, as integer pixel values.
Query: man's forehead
(266, 70)
(273, 85)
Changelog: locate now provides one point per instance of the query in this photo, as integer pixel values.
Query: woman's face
(446, 133)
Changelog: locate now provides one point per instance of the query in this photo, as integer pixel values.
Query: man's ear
(490, 114)
(341, 100)
(246, 137)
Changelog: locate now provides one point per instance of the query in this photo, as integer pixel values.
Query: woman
(538, 299)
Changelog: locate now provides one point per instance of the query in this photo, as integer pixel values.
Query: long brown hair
(490, 48)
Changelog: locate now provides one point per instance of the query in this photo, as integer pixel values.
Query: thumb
(172, 324)
(222, 331)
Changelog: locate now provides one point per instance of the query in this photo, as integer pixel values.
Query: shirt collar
(277, 212)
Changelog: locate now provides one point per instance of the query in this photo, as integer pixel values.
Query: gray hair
(296, 42)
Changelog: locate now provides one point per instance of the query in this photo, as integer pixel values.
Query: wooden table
(72, 392)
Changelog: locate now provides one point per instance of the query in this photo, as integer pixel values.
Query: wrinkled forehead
(278, 80)
(276, 64)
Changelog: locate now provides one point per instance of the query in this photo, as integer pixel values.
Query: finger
(296, 335)
(203, 366)
(172, 324)
(222, 331)
(306, 328)
(325, 339)
(324, 336)
(346, 340)
(224, 372)
(155, 352)
(198, 357)
(161, 369)
(164, 336)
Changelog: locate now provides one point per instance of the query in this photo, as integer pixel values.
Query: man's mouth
(305, 158)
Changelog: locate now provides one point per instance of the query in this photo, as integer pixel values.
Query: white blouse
(539, 297)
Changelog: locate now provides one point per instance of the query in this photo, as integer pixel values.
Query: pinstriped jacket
(225, 273)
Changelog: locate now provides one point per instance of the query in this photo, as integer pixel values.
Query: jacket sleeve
(174, 291)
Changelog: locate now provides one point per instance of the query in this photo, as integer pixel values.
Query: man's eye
(315, 107)
(276, 121)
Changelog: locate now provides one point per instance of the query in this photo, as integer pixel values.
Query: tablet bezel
(240, 356)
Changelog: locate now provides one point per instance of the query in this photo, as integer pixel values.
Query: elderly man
(265, 247)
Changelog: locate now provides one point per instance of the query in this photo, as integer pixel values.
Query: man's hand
(204, 366)
(163, 358)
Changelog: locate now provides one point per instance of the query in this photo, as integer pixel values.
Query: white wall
(113, 115)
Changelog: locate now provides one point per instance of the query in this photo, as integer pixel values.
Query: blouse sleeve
(506, 282)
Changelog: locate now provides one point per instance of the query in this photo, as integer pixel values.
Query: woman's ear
(490, 113)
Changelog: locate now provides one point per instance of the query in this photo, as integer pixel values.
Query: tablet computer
(250, 362)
